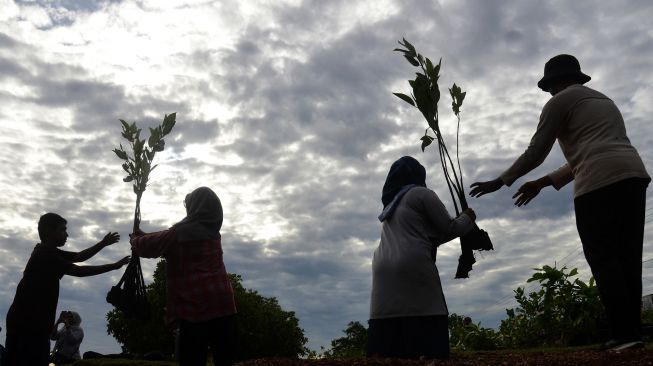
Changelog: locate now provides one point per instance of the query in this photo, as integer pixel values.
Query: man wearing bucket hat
(610, 183)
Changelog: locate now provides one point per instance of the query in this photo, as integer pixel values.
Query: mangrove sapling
(425, 97)
(137, 163)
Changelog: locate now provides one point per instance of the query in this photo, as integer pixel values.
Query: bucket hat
(562, 66)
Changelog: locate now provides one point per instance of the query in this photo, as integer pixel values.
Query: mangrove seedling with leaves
(129, 294)
(138, 162)
(425, 95)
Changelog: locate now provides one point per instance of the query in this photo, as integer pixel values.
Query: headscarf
(203, 216)
(77, 320)
(404, 174)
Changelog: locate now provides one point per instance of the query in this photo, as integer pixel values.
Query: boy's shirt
(35, 304)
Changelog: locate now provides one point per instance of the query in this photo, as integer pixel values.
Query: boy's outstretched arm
(85, 271)
(87, 253)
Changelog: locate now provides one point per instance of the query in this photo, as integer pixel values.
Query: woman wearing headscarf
(67, 338)
(199, 296)
(408, 312)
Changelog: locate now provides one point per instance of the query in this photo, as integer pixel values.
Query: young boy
(32, 314)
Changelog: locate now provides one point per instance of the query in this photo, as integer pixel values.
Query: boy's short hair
(49, 222)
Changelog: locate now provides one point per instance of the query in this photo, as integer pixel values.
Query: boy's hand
(109, 239)
(122, 262)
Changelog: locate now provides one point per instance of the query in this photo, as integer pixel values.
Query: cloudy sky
(285, 109)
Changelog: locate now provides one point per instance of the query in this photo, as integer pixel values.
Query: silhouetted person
(610, 183)
(2, 352)
(32, 314)
(199, 296)
(408, 312)
(67, 339)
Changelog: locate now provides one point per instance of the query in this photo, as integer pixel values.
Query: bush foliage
(563, 311)
(353, 344)
(265, 329)
(465, 335)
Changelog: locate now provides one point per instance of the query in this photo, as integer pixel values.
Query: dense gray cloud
(287, 112)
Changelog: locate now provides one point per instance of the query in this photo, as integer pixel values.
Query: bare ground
(639, 357)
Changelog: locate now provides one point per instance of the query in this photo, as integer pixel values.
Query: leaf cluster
(468, 336)
(138, 160)
(564, 311)
(425, 95)
(352, 345)
(264, 328)
(425, 91)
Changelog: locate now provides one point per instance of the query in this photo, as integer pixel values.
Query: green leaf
(138, 148)
(412, 60)
(154, 137)
(409, 46)
(128, 178)
(160, 146)
(424, 97)
(426, 141)
(127, 132)
(430, 70)
(126, 128)
(168, 123)
(457, 96)
(125, 167)
(146, 170)
(405, 98)
(435, 92)
(120, 153)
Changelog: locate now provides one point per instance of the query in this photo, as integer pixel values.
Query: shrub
(352, 345)
(264, 328)
(562, 312)
(467, 336)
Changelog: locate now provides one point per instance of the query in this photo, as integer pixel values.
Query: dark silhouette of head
(407, 170)
(48, 224)
(561, 70)
(203, 216)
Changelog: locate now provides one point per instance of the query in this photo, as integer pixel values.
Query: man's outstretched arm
(481, 188)
(530, 190)
(85, 271)
(87, 253)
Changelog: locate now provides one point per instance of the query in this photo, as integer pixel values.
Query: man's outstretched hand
(110, 238)
(527, 192)
(481, 188)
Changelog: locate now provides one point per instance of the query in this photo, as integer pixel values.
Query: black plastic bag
(129, 294)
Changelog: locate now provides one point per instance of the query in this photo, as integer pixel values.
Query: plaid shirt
(197, 284)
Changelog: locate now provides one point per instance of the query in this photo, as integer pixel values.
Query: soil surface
(639, 357)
